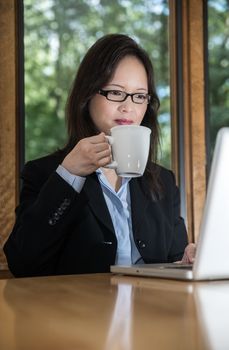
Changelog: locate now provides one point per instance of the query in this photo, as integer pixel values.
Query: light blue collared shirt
(76, 182)
(119, 206)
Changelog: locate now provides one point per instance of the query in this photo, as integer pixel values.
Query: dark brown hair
(95, 71)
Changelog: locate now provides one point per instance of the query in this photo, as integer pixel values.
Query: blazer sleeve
(48, 206)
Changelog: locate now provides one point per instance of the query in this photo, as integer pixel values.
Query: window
(218, 55)
(58, 34)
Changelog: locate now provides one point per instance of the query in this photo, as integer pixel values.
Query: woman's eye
(115, 92)
(141, 96)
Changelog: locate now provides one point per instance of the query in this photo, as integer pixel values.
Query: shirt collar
(125, 180)
(105, 183)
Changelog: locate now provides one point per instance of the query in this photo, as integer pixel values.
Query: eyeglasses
(120, 96)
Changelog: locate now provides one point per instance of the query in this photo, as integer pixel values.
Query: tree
(57, 35)
(218, 55)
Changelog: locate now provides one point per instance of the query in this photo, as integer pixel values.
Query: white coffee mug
(130, 149)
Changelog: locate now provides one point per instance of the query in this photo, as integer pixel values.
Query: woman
(75, 216)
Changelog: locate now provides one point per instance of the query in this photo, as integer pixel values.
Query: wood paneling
(8, 132)
(193, 108)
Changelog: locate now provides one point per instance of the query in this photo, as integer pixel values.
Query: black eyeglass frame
(106, 92)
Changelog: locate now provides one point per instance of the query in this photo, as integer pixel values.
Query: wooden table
(111, 312)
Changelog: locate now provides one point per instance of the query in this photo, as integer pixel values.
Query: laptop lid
(212, 256)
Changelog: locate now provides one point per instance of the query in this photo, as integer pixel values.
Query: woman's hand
(189, 254)
(88, 155)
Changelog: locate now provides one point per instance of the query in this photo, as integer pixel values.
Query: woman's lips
(124, 121)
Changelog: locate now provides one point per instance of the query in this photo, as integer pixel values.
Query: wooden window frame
(188, 107)
(187, 54)
(9, 119)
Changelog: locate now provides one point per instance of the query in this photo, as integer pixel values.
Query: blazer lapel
(97, 202)
(139, 203)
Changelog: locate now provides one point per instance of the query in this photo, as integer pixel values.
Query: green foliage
(57, 35)
(218, 49)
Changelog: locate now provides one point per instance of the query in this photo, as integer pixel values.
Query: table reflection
(163, 315)
(212, 303)
(202, 310)
(119, 333)
(112, 312)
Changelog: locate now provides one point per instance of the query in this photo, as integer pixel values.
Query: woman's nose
(126, 105)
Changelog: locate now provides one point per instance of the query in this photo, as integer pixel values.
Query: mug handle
(113, 164)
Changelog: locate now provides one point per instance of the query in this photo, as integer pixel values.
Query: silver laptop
(212, 255)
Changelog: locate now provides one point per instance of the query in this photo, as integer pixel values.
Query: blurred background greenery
(57, 35)
(59, 32)
(218, 61)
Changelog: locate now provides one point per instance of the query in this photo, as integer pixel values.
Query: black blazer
(60, 231)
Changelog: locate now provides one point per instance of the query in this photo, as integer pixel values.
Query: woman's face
(130, 76)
